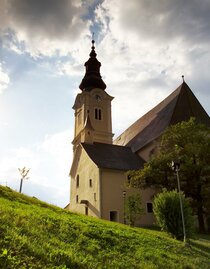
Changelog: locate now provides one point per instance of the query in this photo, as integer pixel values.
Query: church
(99, 168)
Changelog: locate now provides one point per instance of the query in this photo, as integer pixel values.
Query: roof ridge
(152, 111)
(114, 145)
(179, 106)
(178, 98)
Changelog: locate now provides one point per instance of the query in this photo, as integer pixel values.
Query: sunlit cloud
(4, 79)
(45, 27)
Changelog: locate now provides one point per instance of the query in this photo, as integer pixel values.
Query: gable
(178, 106)
(75, 162)
(82, 163)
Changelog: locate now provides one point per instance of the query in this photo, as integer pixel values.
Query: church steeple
(93, 117)
(92, 78)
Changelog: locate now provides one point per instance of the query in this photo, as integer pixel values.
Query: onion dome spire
(92, 78)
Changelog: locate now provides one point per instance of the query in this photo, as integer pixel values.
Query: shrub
(133, 208)
(168, 213)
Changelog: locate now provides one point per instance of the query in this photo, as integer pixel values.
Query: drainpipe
(100, 192)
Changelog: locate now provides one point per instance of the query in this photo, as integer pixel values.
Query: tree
(166, 208)
(133, 208)
(190, 143)
(23, 172)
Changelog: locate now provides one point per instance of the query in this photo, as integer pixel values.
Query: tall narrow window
(98, 114)
(77, 181)
(94, 196)
(129, 180)
(86, 211)
(77, 199)
(90, 183)
(149, 207)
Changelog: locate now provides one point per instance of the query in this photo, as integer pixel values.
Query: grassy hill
(34, 234)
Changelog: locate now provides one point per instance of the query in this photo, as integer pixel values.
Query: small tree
(133, 208)
(23, 172)
(168, 214)
(190, 143)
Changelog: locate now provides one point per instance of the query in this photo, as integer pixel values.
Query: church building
(98, 172)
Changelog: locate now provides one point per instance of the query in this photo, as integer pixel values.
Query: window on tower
(98, 114)
(77, 181)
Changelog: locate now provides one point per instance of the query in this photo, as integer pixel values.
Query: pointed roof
(179, 106)
(113, 156)
(92, 78)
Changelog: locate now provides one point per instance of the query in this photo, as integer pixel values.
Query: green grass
(34, 234)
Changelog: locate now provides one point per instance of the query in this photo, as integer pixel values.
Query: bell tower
(93, 122)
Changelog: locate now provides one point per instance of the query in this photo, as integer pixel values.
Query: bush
(133, 208)
(168, 213)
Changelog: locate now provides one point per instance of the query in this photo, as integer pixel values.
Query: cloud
(49, 163)
(162, 20)
(45, 27)
(58, 147)
(69, 69)
(146, 47)
(50, 18)
(4, 79)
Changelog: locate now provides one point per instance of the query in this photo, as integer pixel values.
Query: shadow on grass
(203, 237)
(201, 243)
(152, 227)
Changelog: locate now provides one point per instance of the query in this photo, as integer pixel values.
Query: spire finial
(183, 78)
(93, 41)
(93, 53)
(92, 78)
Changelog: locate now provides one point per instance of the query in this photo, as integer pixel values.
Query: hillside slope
(34, 234)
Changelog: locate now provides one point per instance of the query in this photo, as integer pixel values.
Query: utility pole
(124, 213)
(23, 172)
(175, 167)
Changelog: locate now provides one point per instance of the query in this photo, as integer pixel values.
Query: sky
(144, 47)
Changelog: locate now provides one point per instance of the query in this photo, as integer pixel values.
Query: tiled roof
(178, 106)
(113, 156)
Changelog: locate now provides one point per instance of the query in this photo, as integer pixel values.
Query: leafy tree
(133, 208)
(190, 143)
(166, 208)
